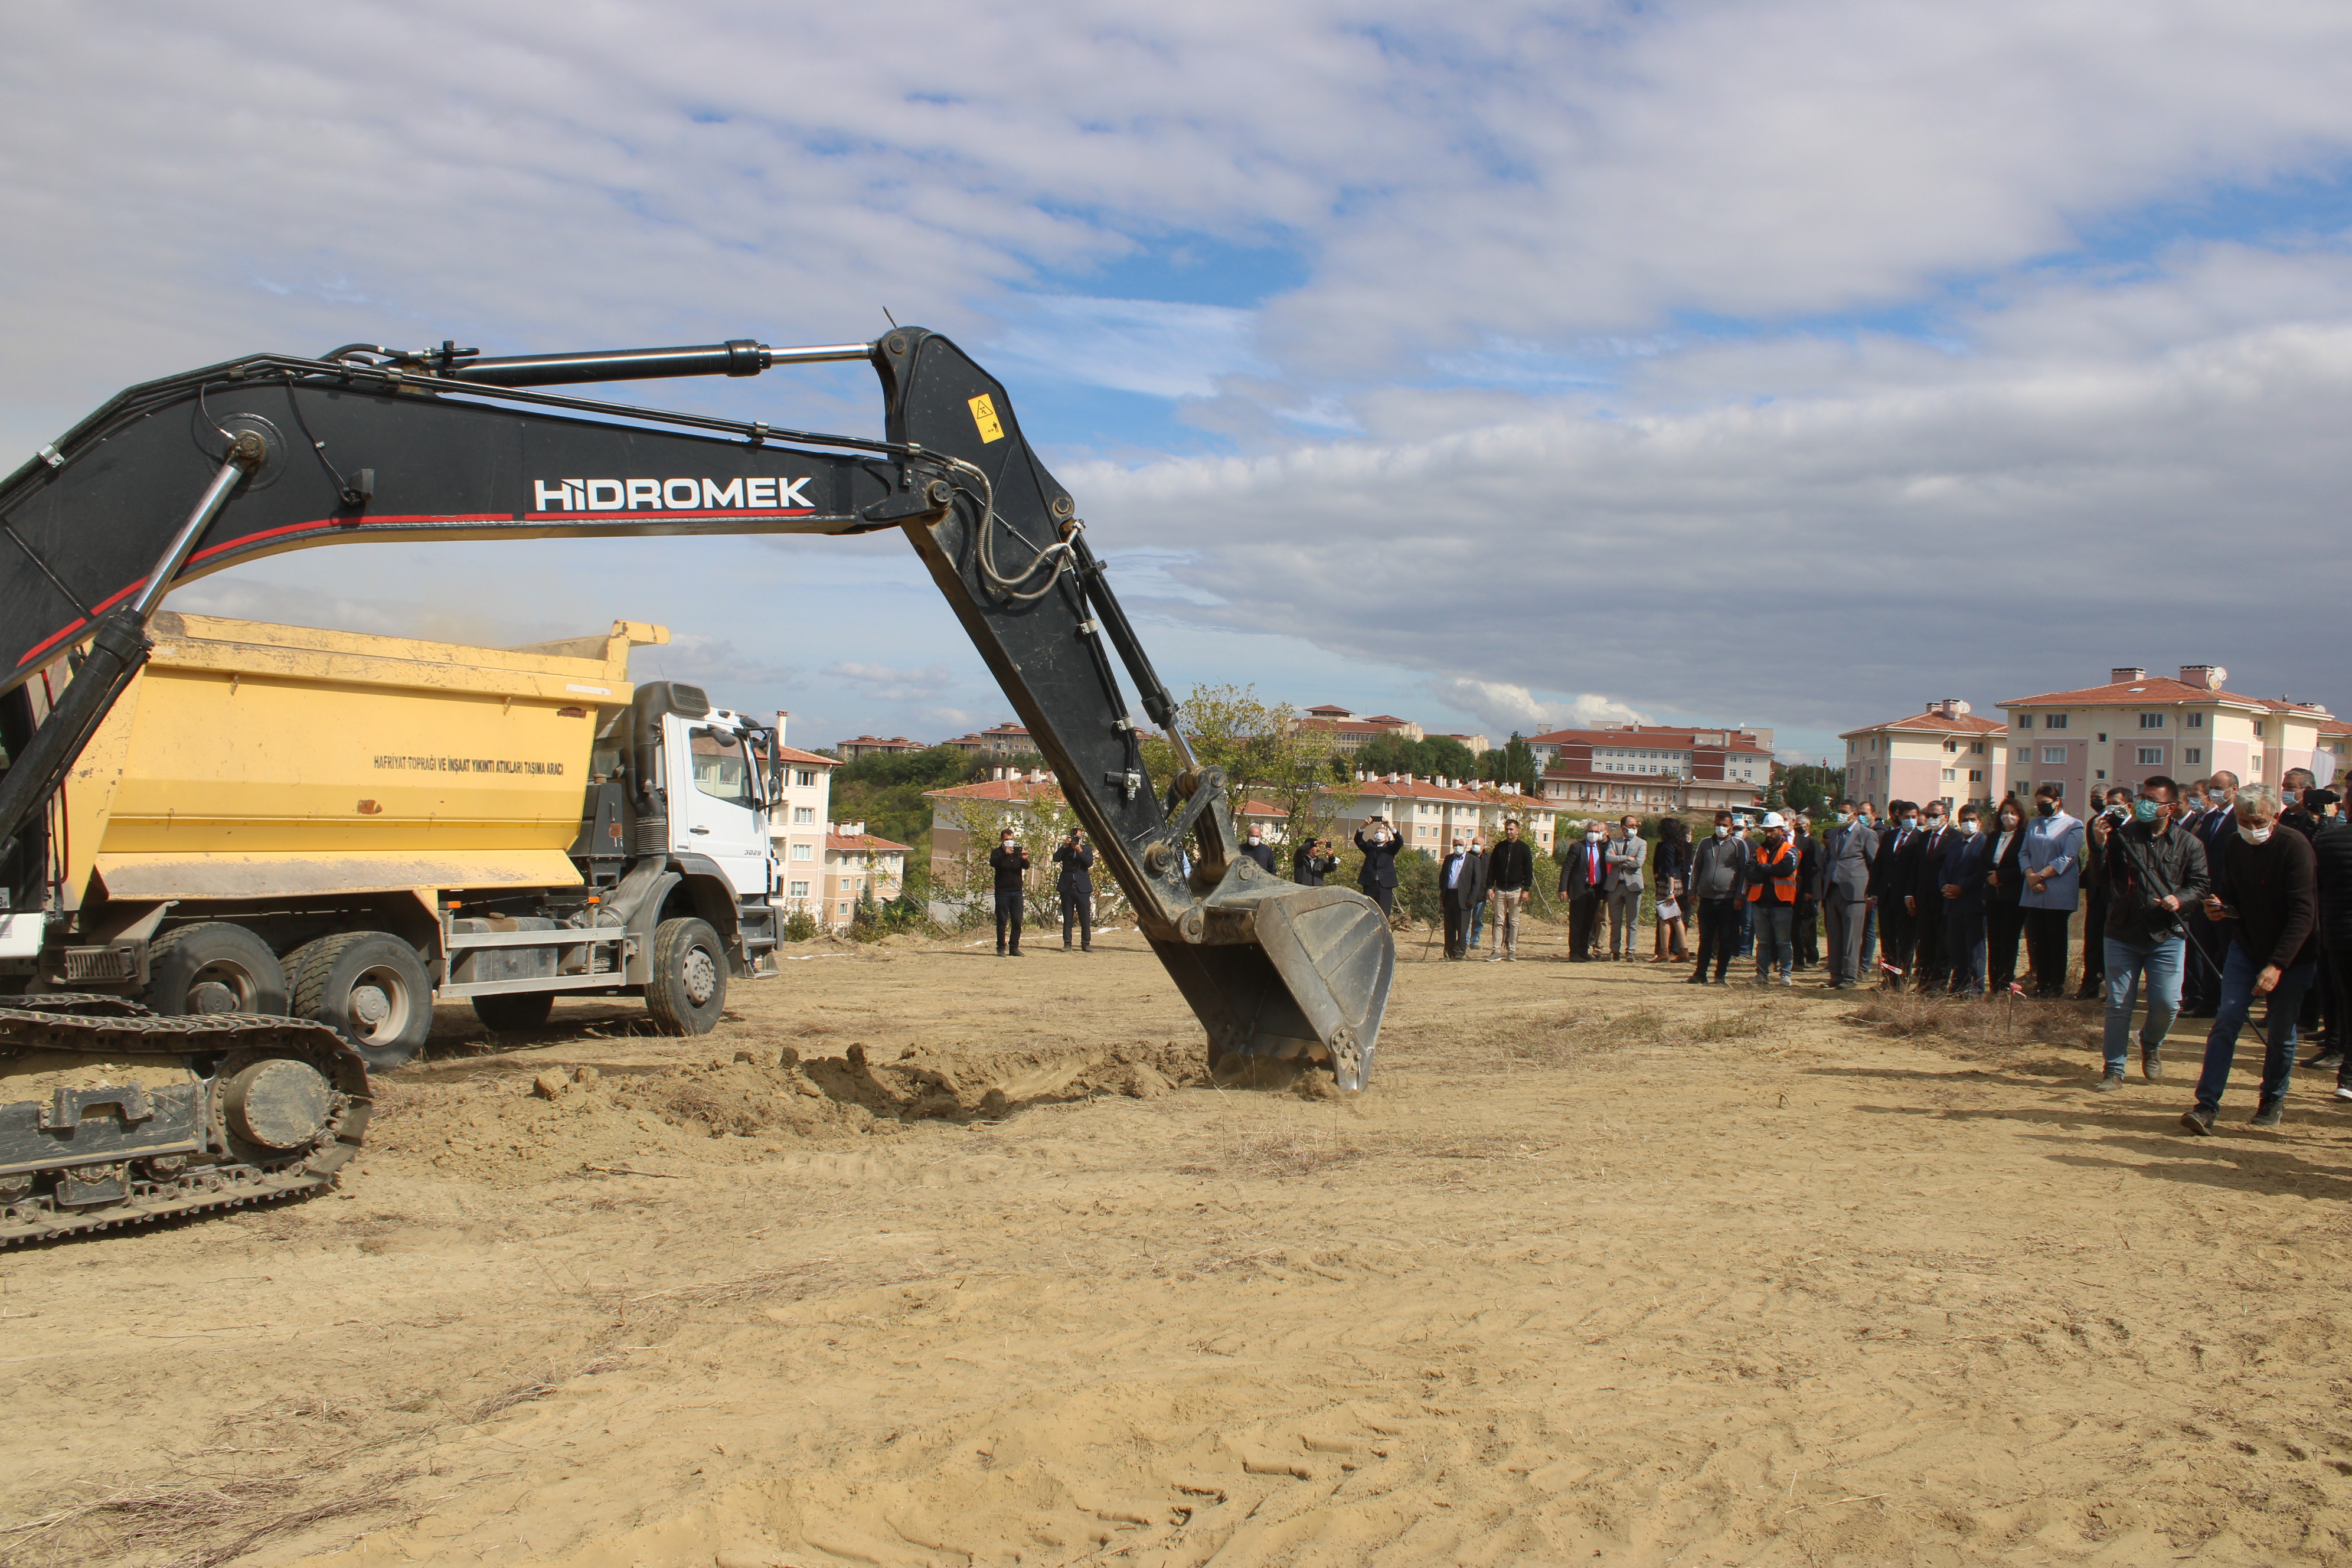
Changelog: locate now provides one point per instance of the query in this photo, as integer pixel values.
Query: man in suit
(1960, 897)
(1927, 905)
(1848, 855)
(1461, 883)
(1313, 862)
(1805, 930)
(1379, 844)
(2215, 824)
(1584, 882)
(1897, 882)
(1075, 884)
(1627, 851)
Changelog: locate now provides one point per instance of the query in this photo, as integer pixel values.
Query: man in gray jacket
(1849, 850)
(1719, 883)
(1627, 851)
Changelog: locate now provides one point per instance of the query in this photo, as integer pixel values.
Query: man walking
(1075, 885)
(1772, 901)
(1719, 882)
(1583, 883)
(1313, 862)
(2266, 897)
(2151, 869)
(1378, 879)
(2051, 860)
(1627, 851)
(1847, 855)
(1460, 886)
(1510, 873)
(1010, 863)
(1960, 893)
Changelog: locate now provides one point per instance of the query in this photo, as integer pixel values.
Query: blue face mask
(2146, 811)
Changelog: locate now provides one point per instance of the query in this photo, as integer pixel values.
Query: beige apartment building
(798, 823)
(1941, 752)
(1348, 732)
(1651, 767)
(875, 746)
(858, 863)
(2137, 726)
(1006, 740)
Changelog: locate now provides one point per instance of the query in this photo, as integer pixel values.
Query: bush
(799, 926)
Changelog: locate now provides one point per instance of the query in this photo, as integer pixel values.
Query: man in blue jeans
(2265, 901)
(2150, 869)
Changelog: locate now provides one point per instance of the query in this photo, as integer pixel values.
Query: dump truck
(134, 1113)
(278, 820)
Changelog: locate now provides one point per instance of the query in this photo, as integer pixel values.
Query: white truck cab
(715, 774)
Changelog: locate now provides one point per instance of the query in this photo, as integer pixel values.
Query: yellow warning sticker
(983, 413)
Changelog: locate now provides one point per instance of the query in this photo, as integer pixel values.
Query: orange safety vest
(1779, 892)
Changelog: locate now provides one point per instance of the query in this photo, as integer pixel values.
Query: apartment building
(2136, 726)
(875, 746)
(1006, 740)
(1427, 812)
(797, 821)
(1631, 766)
(960, 811)
(1944, 752)
(1350, 732)
(858, 863)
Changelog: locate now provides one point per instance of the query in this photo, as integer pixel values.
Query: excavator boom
(194, 473)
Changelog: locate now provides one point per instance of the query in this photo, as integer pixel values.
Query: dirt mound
(510, 1129)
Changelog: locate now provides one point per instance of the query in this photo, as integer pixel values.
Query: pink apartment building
(1941, 752)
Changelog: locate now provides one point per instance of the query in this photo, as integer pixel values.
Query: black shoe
(1695, 980)
(2197, 1012)
(1087, 948)
(2109, 1081)
(1016, 952)
(2198, 1120)
(1000, 953)
(2268, 1113)
(2151, 1065)
(2330, 1060)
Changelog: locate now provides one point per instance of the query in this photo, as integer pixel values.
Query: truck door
(718, 812)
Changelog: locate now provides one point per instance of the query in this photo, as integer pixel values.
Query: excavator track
(235, 1095)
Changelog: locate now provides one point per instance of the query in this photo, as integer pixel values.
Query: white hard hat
(1773, 819)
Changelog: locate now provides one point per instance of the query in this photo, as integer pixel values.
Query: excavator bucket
(1280, 975)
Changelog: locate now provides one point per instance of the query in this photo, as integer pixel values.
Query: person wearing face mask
(1010, 863)
(2265, 895)
(1961, 876)
(1075, 883)
(1313, 862)
(1719, 882)
(1670, 870)
(1461, 884)
(1583, 883)
(1378, 846)
(2212, 817)
(2051, 866)
(2004, 881)
(2107, 815)
(1925, 904)
(1257, 848)
(1627, 852)
(2151, 869)
(1898, 880)
(1867, 813)
(1772, 901)
(1805, 931)
(1848, 854)
(1478, 910)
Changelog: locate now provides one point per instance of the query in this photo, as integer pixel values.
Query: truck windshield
(722, 770)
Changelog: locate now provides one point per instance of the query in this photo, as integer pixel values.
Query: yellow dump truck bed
(250, 759)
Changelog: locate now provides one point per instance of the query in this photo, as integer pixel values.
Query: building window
(1951, 745)
(2053, 754)
(2151, 756)
(803, 816)
(2151, 721)
(1949, 775)
(1975, 748)
(2193, 720)
(2025, 720)
(2258, 728)
(2054, 722)
(1976, 775)
(2103, 737)
(805, 778)
(801, 852)
(799, 889)
(2100, 774)
(2024, 755)
(2192, 755)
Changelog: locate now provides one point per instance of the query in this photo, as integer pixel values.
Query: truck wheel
(688, 990)
(215, 967)
(514, 1010)
(370, 986)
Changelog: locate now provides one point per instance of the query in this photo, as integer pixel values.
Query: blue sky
(1504, 368)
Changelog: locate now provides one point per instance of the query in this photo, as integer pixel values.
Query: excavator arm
(188, 475)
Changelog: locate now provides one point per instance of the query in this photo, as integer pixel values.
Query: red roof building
(1650, 766)
(1944, 752)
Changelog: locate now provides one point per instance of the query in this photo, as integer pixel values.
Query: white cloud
(1504, 708)
(1133, 345)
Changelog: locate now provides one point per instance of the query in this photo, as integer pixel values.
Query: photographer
(2151, 869)
(1379, 845)
(1313, 862)
(1076, 888)
(1010, 863)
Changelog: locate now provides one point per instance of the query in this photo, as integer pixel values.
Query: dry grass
(1292, 1148)
(201, 1523)
(1978, 1027)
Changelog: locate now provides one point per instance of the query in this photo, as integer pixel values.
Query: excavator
(133, 1116)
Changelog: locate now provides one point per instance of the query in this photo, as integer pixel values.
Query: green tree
(1514, 762)
(1439, 756)
(1808, 787)
(1266, 754)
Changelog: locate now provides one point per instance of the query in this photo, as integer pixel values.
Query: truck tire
(514, 1010)
(688, 990)
(215, 967)
(369, 985)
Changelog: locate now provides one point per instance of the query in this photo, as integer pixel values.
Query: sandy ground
(1604, 1268)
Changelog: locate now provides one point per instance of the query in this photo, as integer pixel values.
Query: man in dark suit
(1805, 930)
(1897, 877)
(1461, 883)
(1847, 858)
(1927, 906)
(1075, 884)
(1584, 883)
(1379, 844)
(2201, 985)
(1313, 862)
(1960, 878)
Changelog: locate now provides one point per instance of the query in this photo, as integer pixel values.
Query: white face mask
(1721, 831)
(1253, 839)
(2253, 834)
(2218, 796)
(1968, 824)
(2009, 821)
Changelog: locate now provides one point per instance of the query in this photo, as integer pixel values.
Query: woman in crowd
(2004, 917)
(1670, 871)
